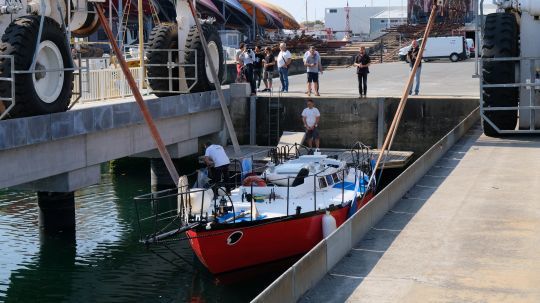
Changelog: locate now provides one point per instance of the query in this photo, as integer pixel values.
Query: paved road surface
(439, 78)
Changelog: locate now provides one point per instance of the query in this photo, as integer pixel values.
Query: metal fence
(102, 84)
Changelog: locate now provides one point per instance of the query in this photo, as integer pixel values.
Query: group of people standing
(255, 66)
(252, 66)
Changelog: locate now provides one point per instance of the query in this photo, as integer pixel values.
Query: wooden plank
(395, 159)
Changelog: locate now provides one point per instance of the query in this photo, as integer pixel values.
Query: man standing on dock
(217, 162)
(362, 62)
(247, 57)
(268, 73)
(283, 61)
(311, 117)
(258, 66)
(312, 61)
(412, 56)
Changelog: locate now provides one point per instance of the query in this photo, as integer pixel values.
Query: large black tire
(163, 36)
(194, 46)
(501, 38)
(19, 40)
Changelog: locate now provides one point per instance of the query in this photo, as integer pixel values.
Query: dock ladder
(274, 113)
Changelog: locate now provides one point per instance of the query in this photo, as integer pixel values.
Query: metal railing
(171, 65)
(11, 81)
(532, 87)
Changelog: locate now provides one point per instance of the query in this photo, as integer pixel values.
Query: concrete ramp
(291, 138)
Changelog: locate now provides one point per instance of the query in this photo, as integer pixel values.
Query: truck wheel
(500, 40)
(42, 92)
(454, 57)
(163, 36)
(195, 55)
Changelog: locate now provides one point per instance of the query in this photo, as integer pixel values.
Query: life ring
(254, 180)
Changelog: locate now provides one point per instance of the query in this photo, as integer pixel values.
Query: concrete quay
(438, 78)
(62, 152)
(466, 232)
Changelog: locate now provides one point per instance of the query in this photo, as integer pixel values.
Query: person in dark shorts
(268, 72)
(362, 62)
(258, 66)
(312, 63)
(311, 117)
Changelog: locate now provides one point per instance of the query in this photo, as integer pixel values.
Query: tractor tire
(501, 39)
(40, 92)
(195, 55)
(163, 36)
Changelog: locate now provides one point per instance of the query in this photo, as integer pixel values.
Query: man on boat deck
(218, 163)
(311, 117)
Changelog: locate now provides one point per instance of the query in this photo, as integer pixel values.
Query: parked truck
(453, 48)
(510, 77)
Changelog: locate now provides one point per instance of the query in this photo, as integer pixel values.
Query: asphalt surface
(438, 78)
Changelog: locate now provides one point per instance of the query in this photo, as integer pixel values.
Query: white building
(380, 22)
(359, 18)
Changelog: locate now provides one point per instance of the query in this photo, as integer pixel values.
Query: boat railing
(361, 157)
(164, 214)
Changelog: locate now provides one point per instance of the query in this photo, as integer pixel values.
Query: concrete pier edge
(307, 271)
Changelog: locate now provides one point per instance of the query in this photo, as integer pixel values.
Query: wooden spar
(137, 94)
(404, 97)
(217, 83)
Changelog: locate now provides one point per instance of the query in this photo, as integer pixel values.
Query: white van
(453, 48)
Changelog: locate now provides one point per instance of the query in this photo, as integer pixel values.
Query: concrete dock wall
(345, 120)
(305, 273)
(35, 148)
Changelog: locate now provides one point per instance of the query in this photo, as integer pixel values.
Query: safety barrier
(102, 84)
(313, 266)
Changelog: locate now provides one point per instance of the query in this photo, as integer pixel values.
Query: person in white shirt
(311, 117)
(218, 163)
(283, 61)
(246, 57)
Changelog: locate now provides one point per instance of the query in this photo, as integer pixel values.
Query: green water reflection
(102, 261)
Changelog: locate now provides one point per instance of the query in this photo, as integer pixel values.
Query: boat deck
(395, 159)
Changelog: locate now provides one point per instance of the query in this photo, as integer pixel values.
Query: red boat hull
(236, 247)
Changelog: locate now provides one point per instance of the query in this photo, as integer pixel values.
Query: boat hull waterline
(235, 247)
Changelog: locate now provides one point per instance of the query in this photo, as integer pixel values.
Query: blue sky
(316, 7)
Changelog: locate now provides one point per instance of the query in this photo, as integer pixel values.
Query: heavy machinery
(510, 78)
(176, 59)
(36, 67)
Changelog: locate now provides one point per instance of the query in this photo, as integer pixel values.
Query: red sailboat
(282, 212)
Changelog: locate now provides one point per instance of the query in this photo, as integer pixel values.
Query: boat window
(335, 176)
(329, 180)
(322, 182)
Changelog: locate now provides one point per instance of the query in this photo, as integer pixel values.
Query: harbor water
(103, 261)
